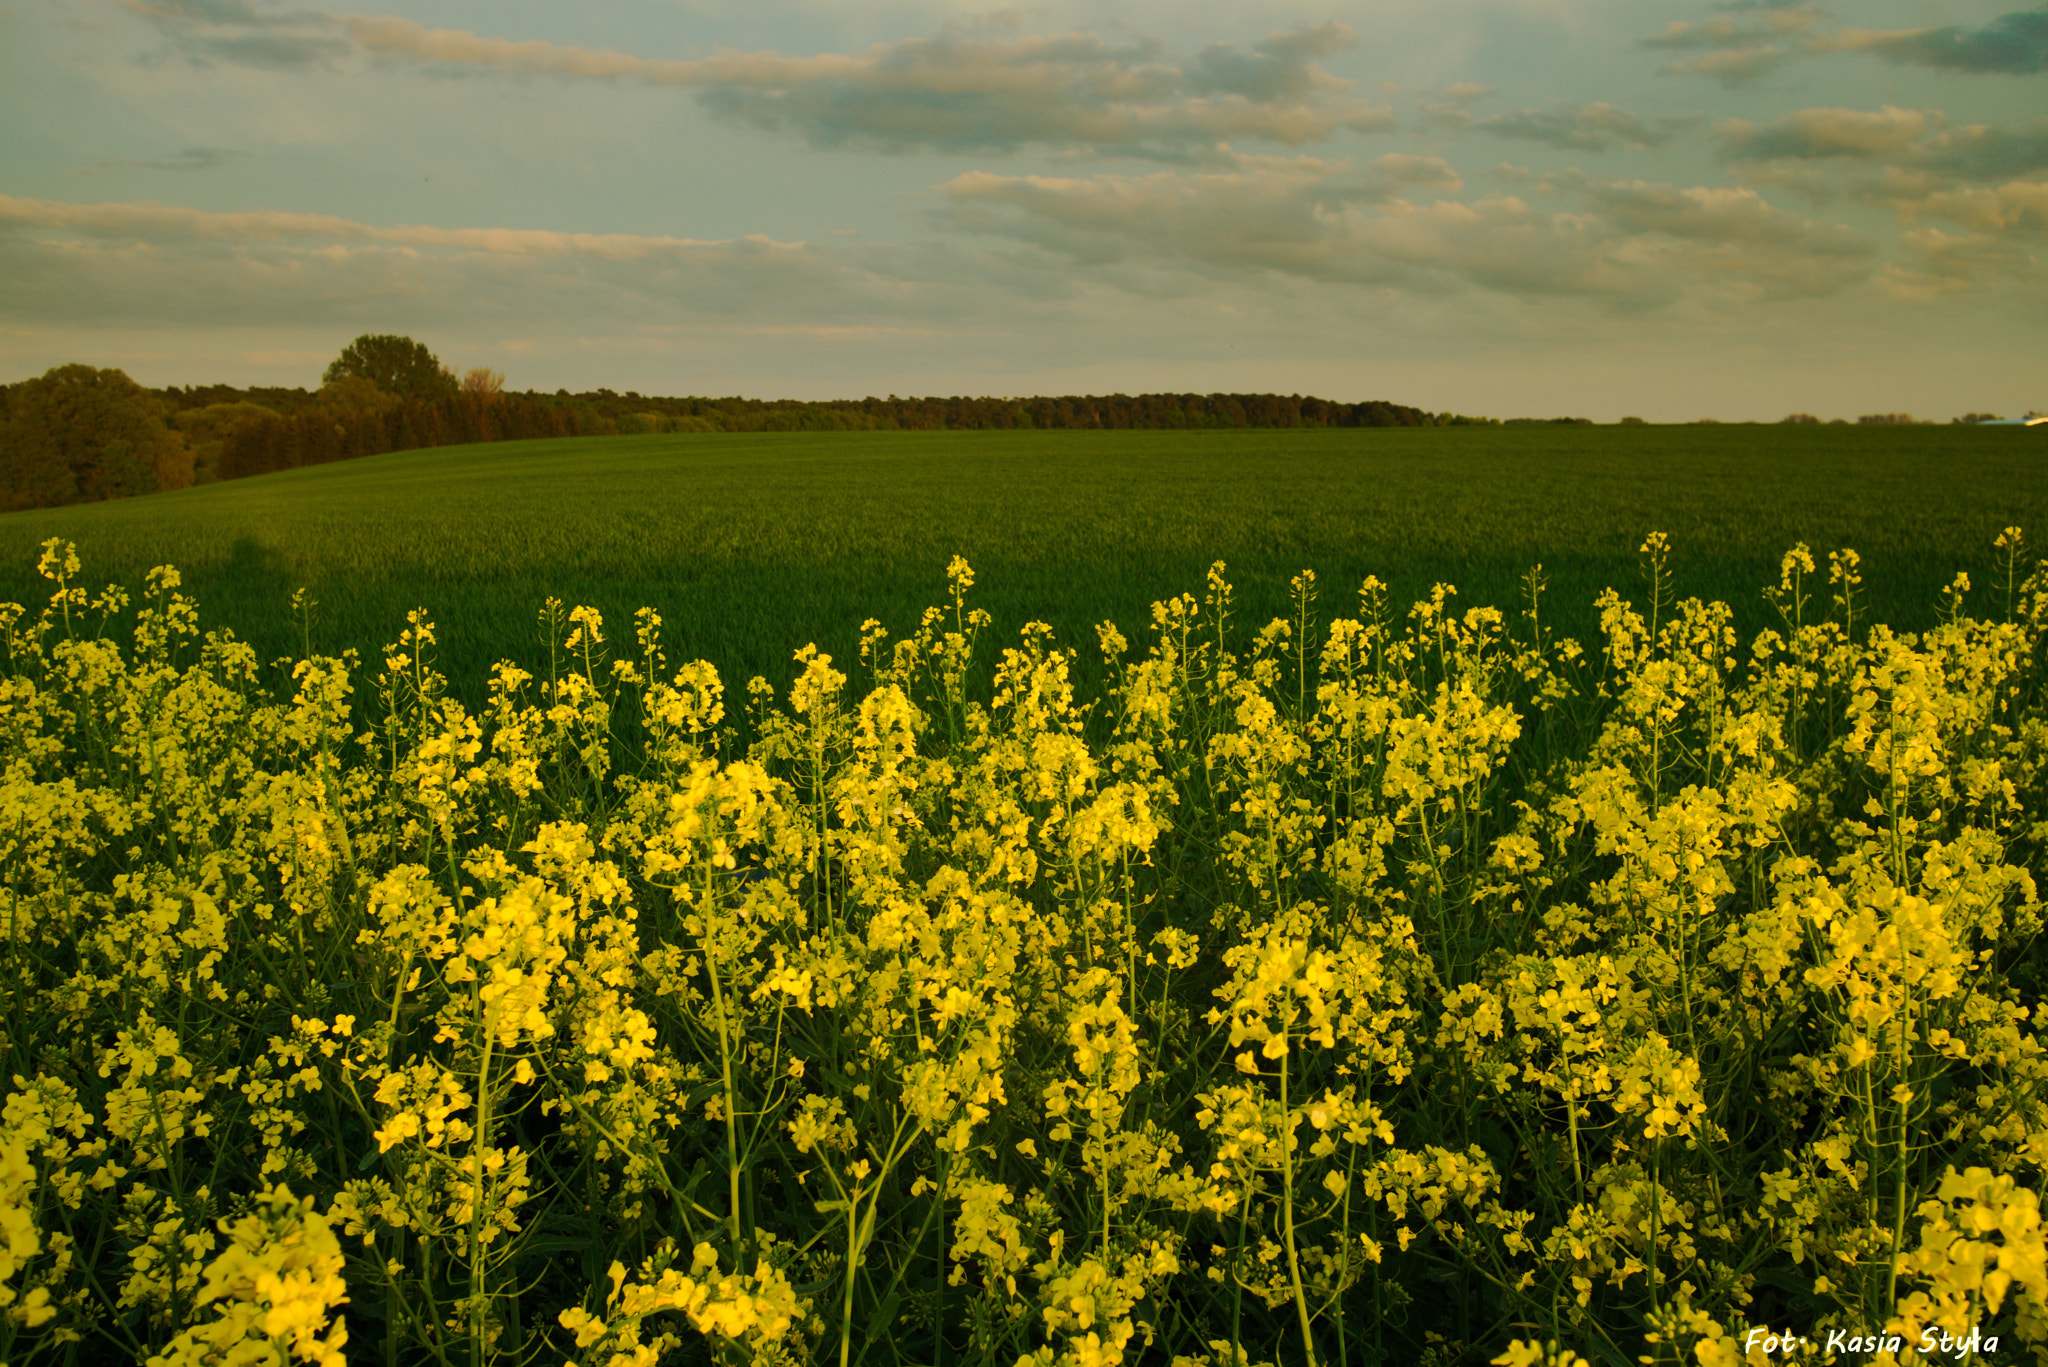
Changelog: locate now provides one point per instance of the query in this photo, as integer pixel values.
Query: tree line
(78, 434)
(294, 429)
(1890, 420)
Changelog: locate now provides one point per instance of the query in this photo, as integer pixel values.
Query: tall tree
(79, 434)
(353, 394)
(482, 383)
(208, 431)
(399, 366)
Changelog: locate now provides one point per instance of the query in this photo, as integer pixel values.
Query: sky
(1669, 208)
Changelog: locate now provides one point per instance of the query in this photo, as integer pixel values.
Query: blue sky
(1674, 208)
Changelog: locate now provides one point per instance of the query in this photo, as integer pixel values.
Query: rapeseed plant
(1393, 989)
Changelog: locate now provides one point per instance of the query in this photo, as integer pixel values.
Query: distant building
(2031, 420)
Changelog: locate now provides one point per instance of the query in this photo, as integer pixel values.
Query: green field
(752, 544)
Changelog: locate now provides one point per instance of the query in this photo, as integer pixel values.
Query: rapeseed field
(1373, 982)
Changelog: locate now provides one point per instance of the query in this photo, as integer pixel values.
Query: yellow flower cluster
(272, 1293)
(1388, 989)
(755, 1311)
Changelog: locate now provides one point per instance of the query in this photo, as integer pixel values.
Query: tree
(210, 429)
(79, 434)
(399, 366)
(256, 447)
(482, 383)
(353, 394)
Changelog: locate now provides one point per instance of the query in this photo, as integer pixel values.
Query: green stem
(479, 1304)
(732, 1142)
(391, 1303)
(1237, 1280)
(1308, 1343)
(852, 1254)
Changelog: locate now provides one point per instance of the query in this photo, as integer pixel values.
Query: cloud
(1982, 152)
(1293, 217)
(1630, 245)
(1735, 50)
(242, 34)
(1908, 140)
(237, 12)
(149, 264)
(1825, 133)
(1594, 127)
(2020, 206)
(1731, 66)
(1723, 31)
(1927, 170)
(153, 222)
(957, 93)
(191, 159)
(1281, 68)
(1268, 213)
(1940, 263)
(2014, 43)
(1729, 214)
(965, 89)
(845, 332)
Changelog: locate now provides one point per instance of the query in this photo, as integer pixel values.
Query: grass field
(750, 545)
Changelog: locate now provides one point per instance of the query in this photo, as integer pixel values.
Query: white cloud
(1631, 244)
(1736, 48)
(969, 88)
(1939, 264)
(1733, 65)
(1590, 127)
(146, 263)
(158, 222)
(1984, 152)
(1827, 133)
(2017, 207)
(1920, 153)
(2015, 44)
